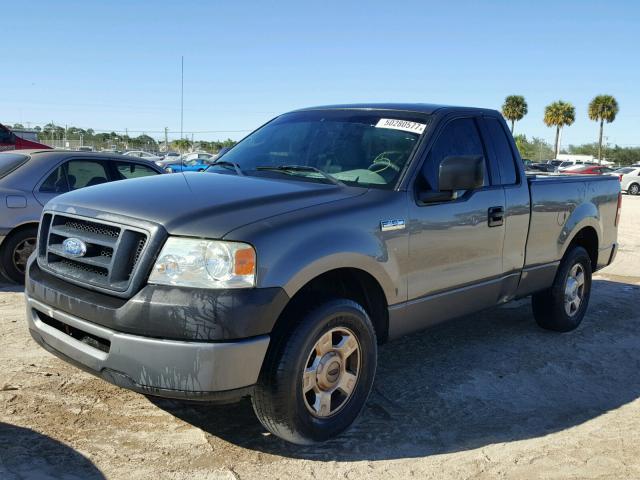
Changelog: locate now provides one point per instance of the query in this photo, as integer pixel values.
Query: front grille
(91, 227)
(110, 255)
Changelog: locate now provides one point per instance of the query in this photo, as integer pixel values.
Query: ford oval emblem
(74, 247)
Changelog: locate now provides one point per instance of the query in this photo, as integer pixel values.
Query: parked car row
(191, 162)
(629, 176)
(30, 178)
(629, 179)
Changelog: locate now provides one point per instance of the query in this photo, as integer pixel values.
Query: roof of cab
(425, 108)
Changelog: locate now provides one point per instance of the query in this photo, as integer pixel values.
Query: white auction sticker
(413, 127)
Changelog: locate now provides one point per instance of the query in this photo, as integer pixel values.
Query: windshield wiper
(301, 168)
(224, 163)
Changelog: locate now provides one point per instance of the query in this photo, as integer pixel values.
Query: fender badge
(389, 225)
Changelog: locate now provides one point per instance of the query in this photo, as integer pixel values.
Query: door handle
(496, 216)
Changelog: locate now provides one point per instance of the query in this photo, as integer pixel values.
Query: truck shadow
(28, 454)
(7, 286)
(489, 378)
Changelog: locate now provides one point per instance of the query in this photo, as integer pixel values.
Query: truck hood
(208, 205)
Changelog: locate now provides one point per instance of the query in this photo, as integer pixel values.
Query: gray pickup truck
(326, 232)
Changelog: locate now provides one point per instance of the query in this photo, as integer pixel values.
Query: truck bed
(561, 205)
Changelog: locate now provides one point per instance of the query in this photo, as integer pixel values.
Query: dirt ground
(487, 396)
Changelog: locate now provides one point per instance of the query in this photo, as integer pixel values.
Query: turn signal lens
(245, 262)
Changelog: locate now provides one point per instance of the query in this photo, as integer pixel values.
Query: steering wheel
(382, 163)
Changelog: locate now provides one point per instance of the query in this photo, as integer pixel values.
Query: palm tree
(514, 108)
(601, 108)
(558, 114)
(182, 144)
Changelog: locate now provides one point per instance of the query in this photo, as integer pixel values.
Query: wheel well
(351, 283)
(20, 228)
(587, 238)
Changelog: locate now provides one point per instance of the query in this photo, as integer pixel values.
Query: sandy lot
(488, 396)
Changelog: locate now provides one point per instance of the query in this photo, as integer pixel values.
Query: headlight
(192, 262)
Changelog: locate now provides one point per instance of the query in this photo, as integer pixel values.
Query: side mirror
(463, 172)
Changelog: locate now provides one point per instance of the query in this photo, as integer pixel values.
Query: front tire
(634, 189)
(318, 372)
(15, 251)
(562, 307)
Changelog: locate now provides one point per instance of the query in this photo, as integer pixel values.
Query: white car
(204, 157)
(144, 155)
(629, 179)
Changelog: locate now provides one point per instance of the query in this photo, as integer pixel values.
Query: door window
(459, 137)
(133, 170)
(85, 173)
(56, 182)
(503, 152)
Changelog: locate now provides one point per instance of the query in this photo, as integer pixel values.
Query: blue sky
(115, 65)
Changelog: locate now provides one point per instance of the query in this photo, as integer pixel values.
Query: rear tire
(562, 307)
(318, 372)
(15, 251)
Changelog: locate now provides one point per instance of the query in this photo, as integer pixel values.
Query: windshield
(625, 170)
(354, 147)
(9, 162)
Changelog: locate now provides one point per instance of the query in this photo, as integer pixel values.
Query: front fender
(310, 256)
(296, 247)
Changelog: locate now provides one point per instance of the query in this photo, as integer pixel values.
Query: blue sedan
(194, 164)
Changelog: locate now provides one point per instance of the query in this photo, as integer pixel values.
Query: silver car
(30, 178)
(629, 179)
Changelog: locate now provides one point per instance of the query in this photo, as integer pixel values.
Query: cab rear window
(10, 162)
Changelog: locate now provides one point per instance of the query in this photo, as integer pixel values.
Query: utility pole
(182, 97)
(166, 139)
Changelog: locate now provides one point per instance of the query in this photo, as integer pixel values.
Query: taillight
(620, 177)
(619, 208)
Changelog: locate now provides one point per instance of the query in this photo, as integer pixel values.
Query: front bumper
(165, 341)
(166, 312)
(167, 368)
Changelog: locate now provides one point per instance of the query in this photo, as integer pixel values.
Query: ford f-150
(326, 232)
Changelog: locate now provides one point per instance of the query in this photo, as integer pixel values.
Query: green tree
(514, 109)
(535, 149)
(603, 108)
(18, 125)
(53, 131)
(559, 114)
(585, 149)
(182, 145)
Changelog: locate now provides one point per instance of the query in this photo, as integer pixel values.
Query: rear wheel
(316, 378)
(634, 189)
(562, 307)
(16, 250)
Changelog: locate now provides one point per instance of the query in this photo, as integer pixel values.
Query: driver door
(455, 251)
